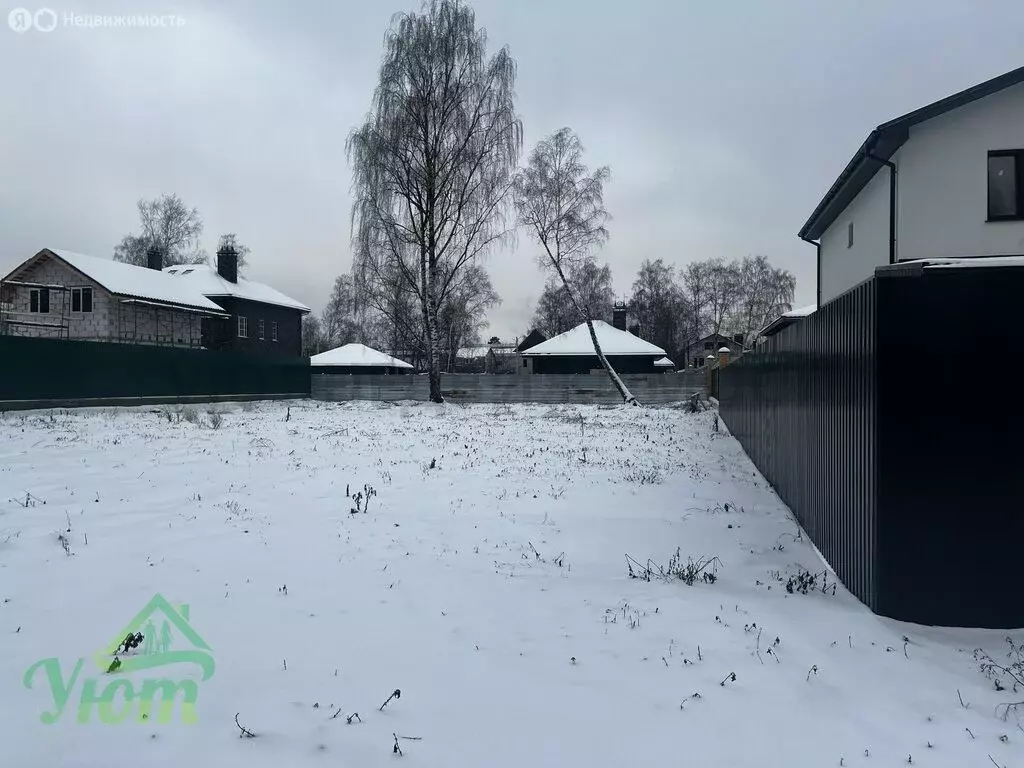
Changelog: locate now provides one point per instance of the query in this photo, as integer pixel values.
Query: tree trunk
(433, 342)
(627, 396)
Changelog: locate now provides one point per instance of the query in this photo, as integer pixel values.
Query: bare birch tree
(562, 204)
(434, 161)
(171, 226)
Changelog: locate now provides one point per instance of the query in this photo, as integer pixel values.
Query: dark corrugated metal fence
(34, 372)
(891, 423)
(802, 405)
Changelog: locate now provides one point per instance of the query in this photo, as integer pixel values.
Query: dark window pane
(33, 301)
(1002, 186)
(87, 299)
(76, 299)
(44, 300)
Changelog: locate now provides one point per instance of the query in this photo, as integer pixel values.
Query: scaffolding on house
(34, 313)
(21, 312)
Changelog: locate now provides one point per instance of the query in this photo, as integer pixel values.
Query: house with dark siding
(260, 319)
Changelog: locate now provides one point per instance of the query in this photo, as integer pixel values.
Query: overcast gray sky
(723, 122)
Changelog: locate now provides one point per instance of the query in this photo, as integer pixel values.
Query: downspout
(817, 246)
(892, 202)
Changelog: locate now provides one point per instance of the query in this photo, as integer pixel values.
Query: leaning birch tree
(434, 161)
(561, 203)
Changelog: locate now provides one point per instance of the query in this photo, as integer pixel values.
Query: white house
(944, 181)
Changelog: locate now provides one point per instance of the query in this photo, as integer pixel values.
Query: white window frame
(263, 330)
(273, 330)
(243, 327)
(81, 300)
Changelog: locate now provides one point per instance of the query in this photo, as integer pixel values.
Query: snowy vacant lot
(486, 579)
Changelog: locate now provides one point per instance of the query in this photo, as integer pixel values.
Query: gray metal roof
(883, 142)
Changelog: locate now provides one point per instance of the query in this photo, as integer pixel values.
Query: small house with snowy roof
(573, 352)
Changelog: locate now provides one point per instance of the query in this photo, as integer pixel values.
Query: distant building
(573, 352)
(357, 358)
(66, 295)
(696, 354)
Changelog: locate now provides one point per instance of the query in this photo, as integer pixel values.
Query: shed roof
(577, 342)
(883, 142)
(787, 319)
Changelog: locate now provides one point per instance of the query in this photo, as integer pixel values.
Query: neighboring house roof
(577, 342)
(883, 142)
(128, 280)
(472, 353)
(356, 356)
(787, 319)
(664, 363)
(207, 281)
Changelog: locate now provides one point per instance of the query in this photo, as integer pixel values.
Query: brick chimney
(154, 258)
(619, 316)
(227, 264)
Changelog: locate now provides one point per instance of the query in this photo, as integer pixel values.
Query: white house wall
(943, 181)
(843, 267)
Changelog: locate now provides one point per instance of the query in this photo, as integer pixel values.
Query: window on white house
(243, 327)
(81, 299)
(1004, 184)
(39, 300)
(849, 235)
(273, 330)
(263, 334)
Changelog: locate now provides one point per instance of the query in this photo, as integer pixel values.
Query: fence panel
(41, 372)
(803, 406)
(653, 389)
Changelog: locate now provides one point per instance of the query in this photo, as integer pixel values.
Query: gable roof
(356, 356)
(206, 280)
(883, 142)
(128, 280)
(577, 342)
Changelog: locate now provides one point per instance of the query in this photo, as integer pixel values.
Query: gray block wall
(650, 389)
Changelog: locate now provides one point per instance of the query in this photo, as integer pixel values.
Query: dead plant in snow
(703, 569)
(1008, 675)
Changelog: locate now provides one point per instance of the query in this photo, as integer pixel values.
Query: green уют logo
(146, 643)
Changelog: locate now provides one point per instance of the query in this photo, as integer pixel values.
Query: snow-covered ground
(487, 581)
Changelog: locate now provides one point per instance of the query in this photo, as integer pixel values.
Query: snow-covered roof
(970, 261)
(207, 281)
(139, 282)
(664, 362)
(786, 319)
(357, 355)
(810, 309)
(578, 342)
(724, 349)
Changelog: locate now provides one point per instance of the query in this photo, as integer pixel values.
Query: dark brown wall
(223, 334)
